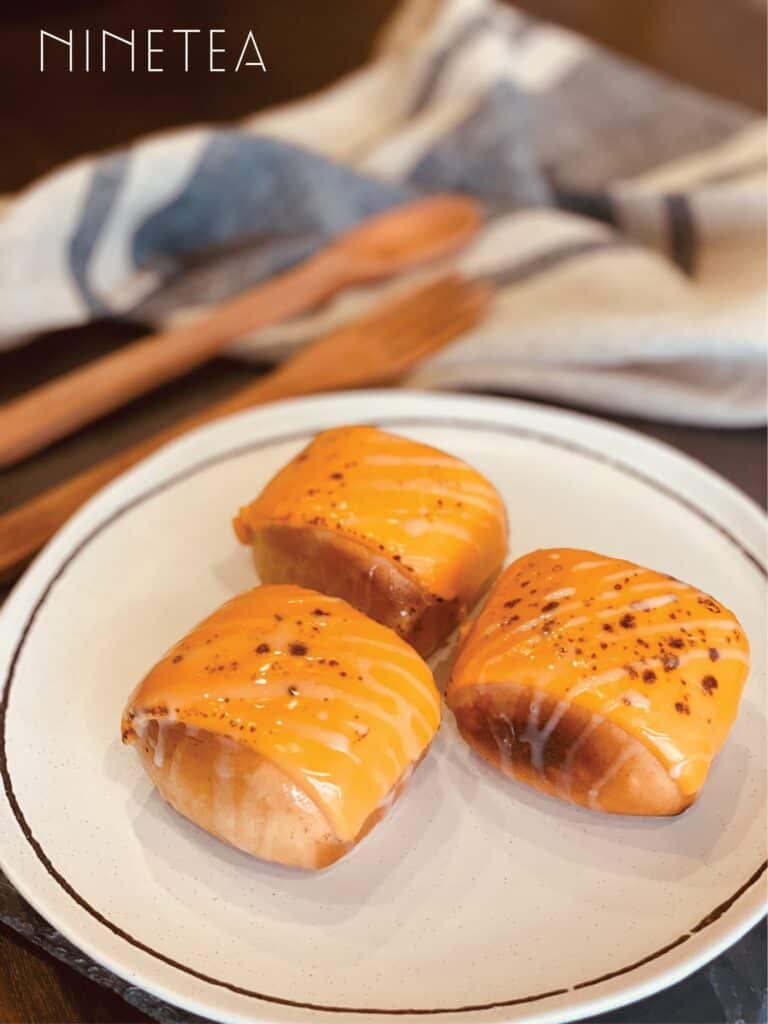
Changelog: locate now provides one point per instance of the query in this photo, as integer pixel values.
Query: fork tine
(369, 348)
(463, 297)
(437, 322)
(408, 312)
(464, 316)
(425, 311)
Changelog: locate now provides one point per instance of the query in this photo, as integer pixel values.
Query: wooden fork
(376, 349)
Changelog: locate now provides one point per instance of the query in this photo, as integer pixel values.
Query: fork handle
(54, 410)
(342, 359)
(24, 530)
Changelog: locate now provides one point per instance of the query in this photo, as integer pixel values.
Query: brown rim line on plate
(302, 435)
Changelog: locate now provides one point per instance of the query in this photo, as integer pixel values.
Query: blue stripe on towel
(103, 191)
(250, 190)
(489, 154)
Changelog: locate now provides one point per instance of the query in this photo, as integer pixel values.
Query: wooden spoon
(376, 349)
(387, 244)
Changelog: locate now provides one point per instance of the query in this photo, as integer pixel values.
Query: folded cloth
(625, 229)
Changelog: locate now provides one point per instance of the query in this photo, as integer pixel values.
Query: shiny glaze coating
(655, 657)
(431, 516)
(338, 703)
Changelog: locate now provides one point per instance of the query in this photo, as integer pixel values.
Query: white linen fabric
(625, 231)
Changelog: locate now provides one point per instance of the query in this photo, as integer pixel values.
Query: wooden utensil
(384, 245)
(376, 349)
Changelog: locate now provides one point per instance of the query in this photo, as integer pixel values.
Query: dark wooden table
(305, 46)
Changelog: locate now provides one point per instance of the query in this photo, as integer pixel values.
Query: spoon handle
(375, 349)
(68, 402)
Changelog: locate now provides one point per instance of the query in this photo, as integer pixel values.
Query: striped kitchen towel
(625, 232)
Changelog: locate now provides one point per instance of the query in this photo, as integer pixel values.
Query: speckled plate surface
(477, 900)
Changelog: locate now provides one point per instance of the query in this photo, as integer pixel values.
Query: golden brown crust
(406, 533)
(284, 723)
(617, 684)
(337, 565)
(242, 798)
(238, 796)
(577, 755)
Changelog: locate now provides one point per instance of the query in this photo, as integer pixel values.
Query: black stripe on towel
(475, 26)
(682, 232)
(544, 261)
(597, 205)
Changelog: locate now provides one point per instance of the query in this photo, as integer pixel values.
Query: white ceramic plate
(477, 900)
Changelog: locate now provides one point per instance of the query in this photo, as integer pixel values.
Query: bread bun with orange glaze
(406, 533)
(600, 682)
(286, 724)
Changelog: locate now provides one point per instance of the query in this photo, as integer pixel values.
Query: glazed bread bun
(600, 682)
(405, 533)
(286, 724)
